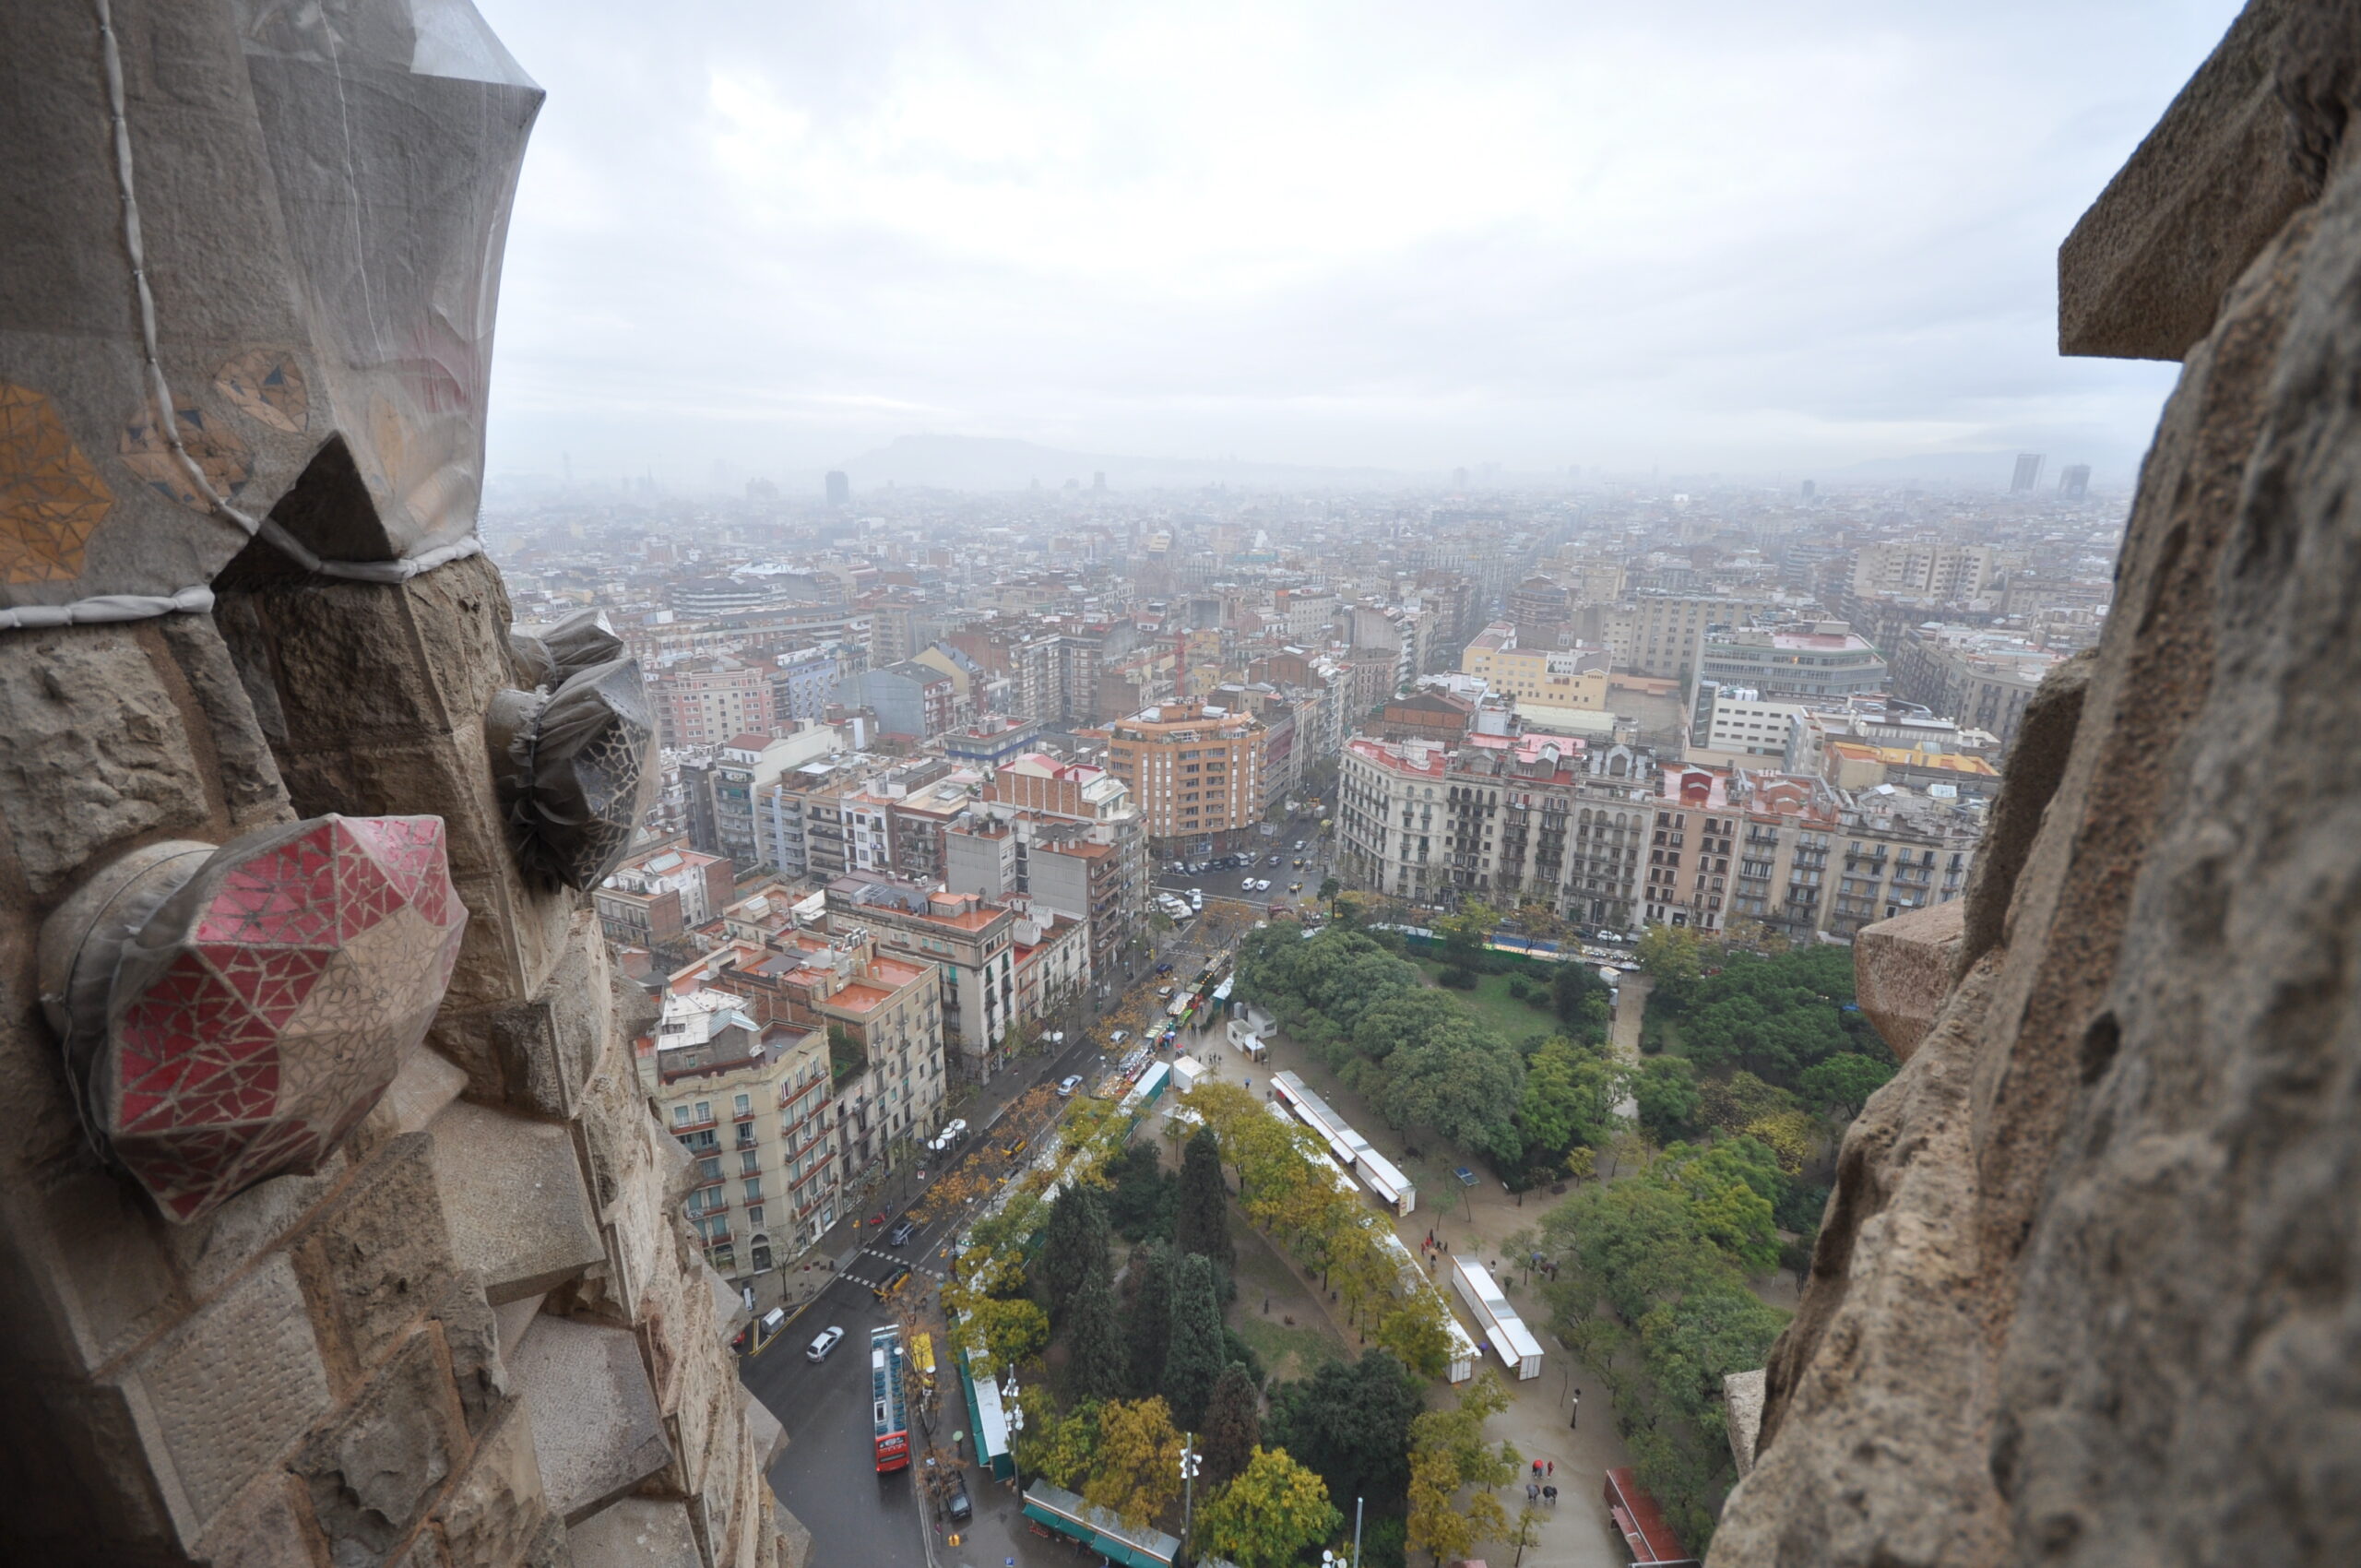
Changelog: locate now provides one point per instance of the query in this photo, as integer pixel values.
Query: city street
(1224, 884)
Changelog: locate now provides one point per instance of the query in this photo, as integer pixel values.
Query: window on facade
(680, 1116)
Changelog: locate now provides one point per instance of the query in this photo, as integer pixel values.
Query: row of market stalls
(1349, 1148)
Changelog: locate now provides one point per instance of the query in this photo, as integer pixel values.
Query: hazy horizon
(1767, 246)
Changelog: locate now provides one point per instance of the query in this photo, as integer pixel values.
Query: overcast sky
(1719, 235)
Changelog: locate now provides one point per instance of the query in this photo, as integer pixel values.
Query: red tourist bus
(890, 1410)
(1645, 1535)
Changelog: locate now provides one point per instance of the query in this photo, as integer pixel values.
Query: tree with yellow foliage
(1136, 1473)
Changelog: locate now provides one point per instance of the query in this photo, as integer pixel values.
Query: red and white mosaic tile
(264, 1007)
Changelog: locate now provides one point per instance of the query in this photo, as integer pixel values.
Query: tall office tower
(2073, 481)
(839, 488)
(1811, 490)
(2028, 471)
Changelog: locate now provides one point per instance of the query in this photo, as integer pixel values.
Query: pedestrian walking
(1549, 1495)
(1536, 1469)
(1531, 1493)
(1552, 1467)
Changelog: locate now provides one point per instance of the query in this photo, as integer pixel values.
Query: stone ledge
(511, 1197)
(638, 1532)
(2145, 270)
(1902, 970)
(1742, 1410)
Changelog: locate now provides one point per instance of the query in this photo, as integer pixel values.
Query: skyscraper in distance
(839, 488)
(2073, 481)
(2028, 471)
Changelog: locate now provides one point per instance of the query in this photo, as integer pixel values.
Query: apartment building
(1079, 846)
(1984, 679)
(1925, 568)
(1550, 677)
(1194, 769)
(661, 894)
(1740, 722)
(1666, 628)
(724, 790)
(909, 698)
(1799, 856)
(753, 1104)
(704, 701)
(963, 939)
(804, 682)
(1505, 819)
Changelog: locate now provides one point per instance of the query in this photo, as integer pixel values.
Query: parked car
(955, 1505)
(827, 1341)
(1164, 968)
(1263, 885)
(1295, 887)
(1299, 843)
(1119, 1036)
(1196, 899)
(886, 1287)
(1247, 886)
(1067, 1084)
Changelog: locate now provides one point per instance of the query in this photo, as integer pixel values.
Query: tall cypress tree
(1151, 1325)
(1201, 1222)
(1233, 1425)
(1096, 1360)
(1195, 1358)
(1074, 1250)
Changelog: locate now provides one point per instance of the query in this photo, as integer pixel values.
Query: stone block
(227, 1394)
(373, 1475)
(515, 1320)
(2145, 272)
(513, 1201)
(472, 1331)
(248, 773)
(98, 752)
(1742, 1409)
(596, 1426)
(209, 1251)
(270, 1525)
(1902, 971)
(535, 1056)
(768, 1438)
(638, 1532)
(498, 1506)
(378, 1259)
(426, 1082)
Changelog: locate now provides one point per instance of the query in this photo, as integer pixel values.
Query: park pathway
(1623, 1039)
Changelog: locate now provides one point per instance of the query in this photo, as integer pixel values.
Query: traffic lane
(827, 1474)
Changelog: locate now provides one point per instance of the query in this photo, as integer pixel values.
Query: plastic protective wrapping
(319, 191)
(581, 759)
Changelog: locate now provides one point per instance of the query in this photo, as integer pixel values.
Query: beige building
(1666, 629)
(964, 939)
(1547, 677)
(1195, 770)
(1925, 568)
(753, 1104)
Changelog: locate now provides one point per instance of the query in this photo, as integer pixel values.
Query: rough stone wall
(479, 1331)
(2088, 1287)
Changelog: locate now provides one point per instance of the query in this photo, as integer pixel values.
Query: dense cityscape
(978, 808)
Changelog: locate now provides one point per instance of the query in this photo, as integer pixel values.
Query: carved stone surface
(595, 1422)
(499, 1504)
(2086, 1289)
(638, 1532)
(1904, 972)
(513, 1201)
(374, 1473)
(232, 1389)
(260, 1011)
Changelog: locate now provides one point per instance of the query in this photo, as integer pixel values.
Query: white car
(824, 1344)
(1247, 886)
(1263, 885)
(1119, 1036)
(1067, 1084)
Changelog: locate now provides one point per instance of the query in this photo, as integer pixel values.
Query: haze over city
(1770, 242)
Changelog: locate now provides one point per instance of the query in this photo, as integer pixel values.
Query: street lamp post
(1016, 1420)
(1191, 1462)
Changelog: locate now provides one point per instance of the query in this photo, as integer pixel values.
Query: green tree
(1664, 1089)
(1465, 933)
(1073, 1248)
(1007, 1330)
(1841, 1084)
(1351, 1423)
(1329, 890)
(1195, 1358)
(1579, 998)
(1061, 1450)
(1669, 954)
(1413, 1329)
(1449, 1456)
(1270, 1515)
(1136, 1470)
(1442, 1071)
(1201, 1218)
(1095, 1352)
(1233, 1425)
(1569, 1095)
(1140, 1197)
(1151, 1319)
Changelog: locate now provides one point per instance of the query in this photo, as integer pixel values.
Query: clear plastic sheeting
(551, 655)
(263, 301)
(583, 774)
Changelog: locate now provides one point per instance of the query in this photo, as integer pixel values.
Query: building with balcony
(963, 939)
(1195, 770)
(752, 1105)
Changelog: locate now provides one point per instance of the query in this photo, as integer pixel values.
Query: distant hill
(976, 462)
